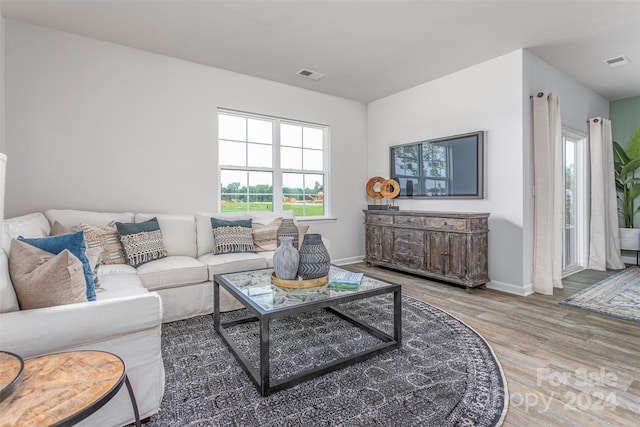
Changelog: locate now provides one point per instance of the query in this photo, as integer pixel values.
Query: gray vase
(285, 259)
(314, 258)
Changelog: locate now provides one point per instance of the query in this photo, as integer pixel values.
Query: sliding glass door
(575, 202)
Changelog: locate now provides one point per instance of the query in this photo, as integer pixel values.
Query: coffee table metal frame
(260, 377)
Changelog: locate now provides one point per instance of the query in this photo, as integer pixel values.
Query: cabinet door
(379, 243)
(457, 259)
(437, 245)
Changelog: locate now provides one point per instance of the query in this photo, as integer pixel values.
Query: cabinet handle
(444, 222)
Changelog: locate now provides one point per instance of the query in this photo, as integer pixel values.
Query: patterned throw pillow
(142, 242)
(232, 236)
(265, 237)
(106, 238)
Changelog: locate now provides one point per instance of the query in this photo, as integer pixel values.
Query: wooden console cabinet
(452, 247)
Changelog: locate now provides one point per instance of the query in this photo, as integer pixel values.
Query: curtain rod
(539, 95)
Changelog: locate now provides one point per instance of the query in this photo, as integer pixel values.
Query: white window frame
(582, 178)
(276, 169)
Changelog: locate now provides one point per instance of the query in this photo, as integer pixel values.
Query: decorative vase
(409, 188)
(314, 258)
(289, 228)
(285, 259)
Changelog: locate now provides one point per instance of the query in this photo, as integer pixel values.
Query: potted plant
(626, 162)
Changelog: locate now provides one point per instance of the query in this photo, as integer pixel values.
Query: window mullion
(277, 169)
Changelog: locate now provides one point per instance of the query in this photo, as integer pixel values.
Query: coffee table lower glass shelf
(266, 302)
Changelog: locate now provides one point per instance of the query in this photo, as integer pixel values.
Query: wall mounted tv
(451, 167)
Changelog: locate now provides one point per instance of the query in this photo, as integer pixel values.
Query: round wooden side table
(62, 389)
(11, 367)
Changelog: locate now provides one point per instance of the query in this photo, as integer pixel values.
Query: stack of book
(345, 280)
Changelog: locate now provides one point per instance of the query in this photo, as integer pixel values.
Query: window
(574, 206)
(267, 163)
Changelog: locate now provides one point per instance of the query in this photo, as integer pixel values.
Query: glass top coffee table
(266, 302)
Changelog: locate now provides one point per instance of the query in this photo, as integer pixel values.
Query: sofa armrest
(40, 331)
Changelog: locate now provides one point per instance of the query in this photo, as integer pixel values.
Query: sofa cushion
(232, 262)
(232, 236)
(172, 271)
(204, 234)
(106, 238)
(268, 257)
(33, 225)
(73, 242)
(8, 298)
(264, 218)
(142, 242)
(115, 269)
(117, 286)
(265, 237)
(178, 232)
(71, 217)
(43, 279)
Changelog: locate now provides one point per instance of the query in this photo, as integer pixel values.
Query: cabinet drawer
(409, 260)
(415, 237)
(379, 219)
(408, 220)
(456, 224)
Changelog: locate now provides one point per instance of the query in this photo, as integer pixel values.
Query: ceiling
(367, 49)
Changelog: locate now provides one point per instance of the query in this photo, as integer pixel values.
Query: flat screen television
(451, 167)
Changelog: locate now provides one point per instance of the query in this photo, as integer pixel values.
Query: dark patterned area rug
(445, 374)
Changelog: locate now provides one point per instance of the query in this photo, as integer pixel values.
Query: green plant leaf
(633, 147)
(620, 158)
(631, 166)
(634, 191)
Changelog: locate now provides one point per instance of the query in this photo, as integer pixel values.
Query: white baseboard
(345, 261)
(511, 288)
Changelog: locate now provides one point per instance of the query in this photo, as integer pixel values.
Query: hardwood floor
(564, 366)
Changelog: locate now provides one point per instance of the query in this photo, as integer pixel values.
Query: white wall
(1, 84)
(487, 97)
(99, 126)
(577, 104)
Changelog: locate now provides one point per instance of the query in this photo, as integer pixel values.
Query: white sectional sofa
(131, 303)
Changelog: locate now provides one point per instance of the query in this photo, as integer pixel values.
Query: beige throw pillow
(265, 237)
(107, 238)
(302, 230)
(58, 228)
(42, 279)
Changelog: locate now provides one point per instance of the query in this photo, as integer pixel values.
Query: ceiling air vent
(617, 61)
(313, 75)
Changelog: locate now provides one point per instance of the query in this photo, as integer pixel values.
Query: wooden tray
(299, 284)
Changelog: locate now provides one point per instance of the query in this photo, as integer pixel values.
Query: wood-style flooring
(564, 366)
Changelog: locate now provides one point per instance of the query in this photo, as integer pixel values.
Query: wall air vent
(617, 61)
(313, 75)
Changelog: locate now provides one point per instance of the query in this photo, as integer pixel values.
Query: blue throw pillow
(215, 223)
(74, 243)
